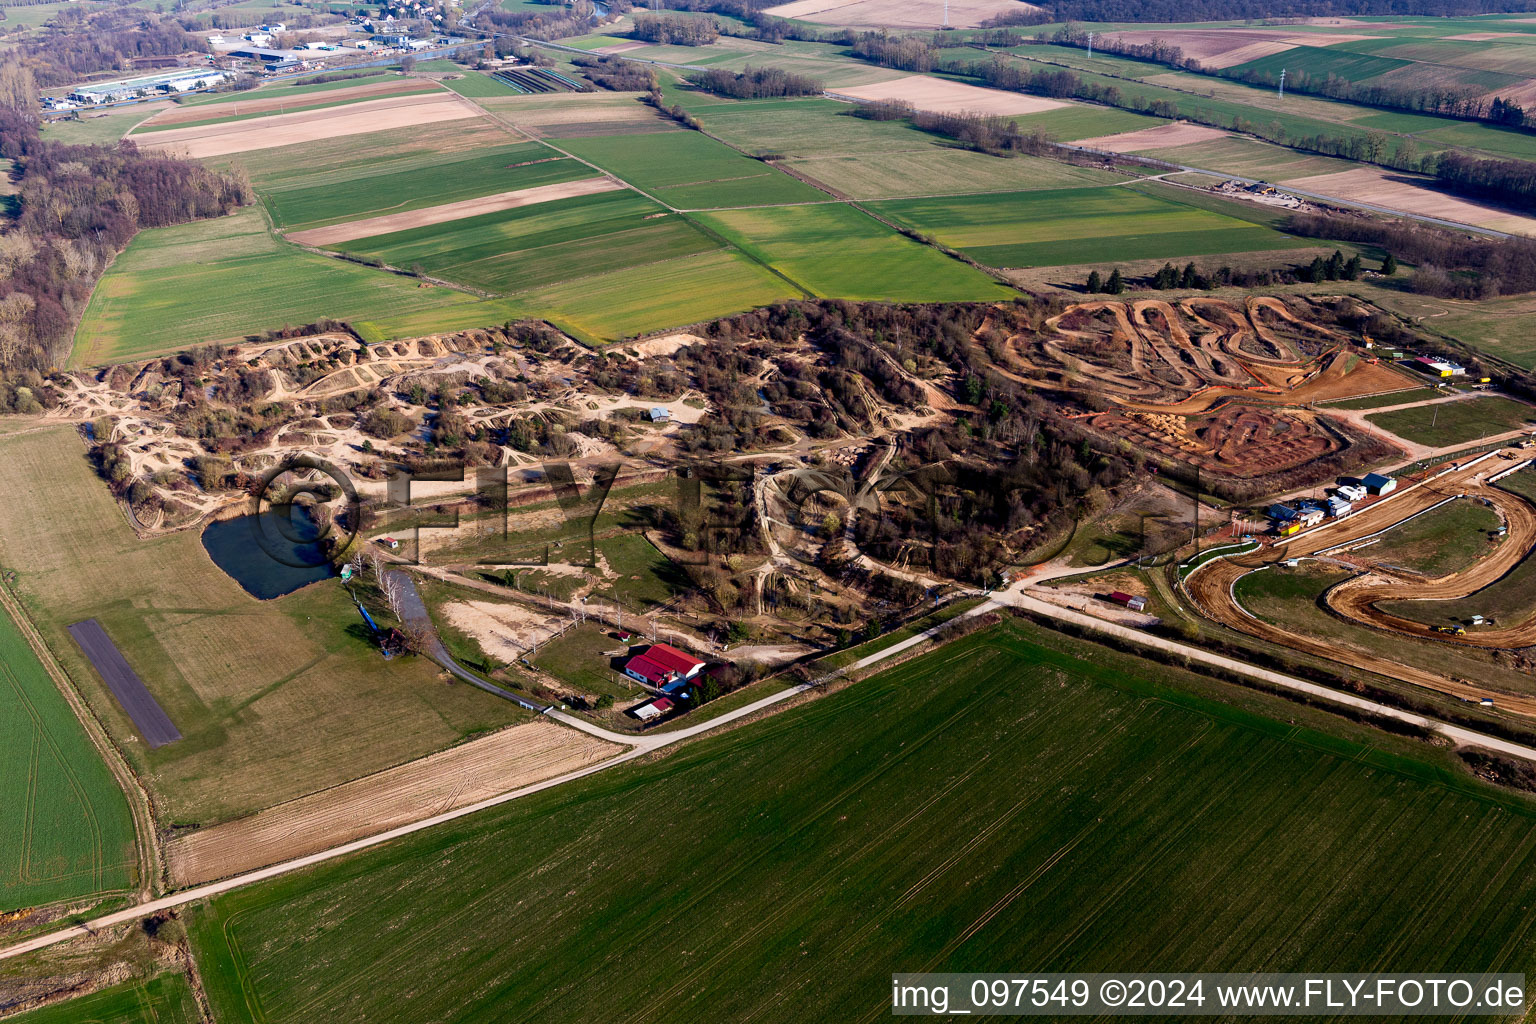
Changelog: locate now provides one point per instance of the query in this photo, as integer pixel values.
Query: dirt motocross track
(1211, 586)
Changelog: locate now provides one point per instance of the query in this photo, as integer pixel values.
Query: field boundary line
(140, 806)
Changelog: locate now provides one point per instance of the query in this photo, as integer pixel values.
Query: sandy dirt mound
(1401, 192)
(1164, 136)
(309, 126)
(506, 631)
(898, 13)
(507, 760)
(453, 211)
(257, 104)
(945, 97)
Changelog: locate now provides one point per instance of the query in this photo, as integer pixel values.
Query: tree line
(79, 206)
(755, 83)
(675, 30)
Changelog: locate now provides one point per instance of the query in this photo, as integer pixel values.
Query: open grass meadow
(93, 127)
(350, 158)
(231, 112)
(378, 190)
(220, 279)
(543, 244)
(1012, 798)
(624, 303)
(1447, 423)
(1059, 226)
(273, 698)
(1448, 539)
(1322, 61)
(689, 170)
(163, 999)
(478, 86)
(835, 250)
(65, 830)
(282, 90)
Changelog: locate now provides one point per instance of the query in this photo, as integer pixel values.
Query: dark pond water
(270, 554)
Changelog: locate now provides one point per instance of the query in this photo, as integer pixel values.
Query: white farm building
(179, 80)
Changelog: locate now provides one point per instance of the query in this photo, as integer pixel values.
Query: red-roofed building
(661, 664)
(653, 709)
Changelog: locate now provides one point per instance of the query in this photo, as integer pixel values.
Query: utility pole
(1090, 44)
(1282, 83)
(946, 13)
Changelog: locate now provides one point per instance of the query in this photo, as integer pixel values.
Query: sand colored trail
(454, 778)
(309, 125)
(1163, 136)
(1211, 586)
(941, 96)
(391, 222)
(258, 104)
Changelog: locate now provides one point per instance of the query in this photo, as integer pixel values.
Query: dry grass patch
(445, 781)
(1163, 136)
(1411, 195)
(945, 97)
(898, 13)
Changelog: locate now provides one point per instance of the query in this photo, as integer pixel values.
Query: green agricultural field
(456, 177)
(225, 278)
(274, 698)
(837, 251)
(1447, 423)
(624, 303)
(1445, 540)
(646, 577)
(477, 86)
(1094, 804)
(65, 830)
(1084, 122)
(543, 244)
(1032, 229)
(353, 157)
(1320, 62)
(163, 999)
(942, 171)
(689, 170)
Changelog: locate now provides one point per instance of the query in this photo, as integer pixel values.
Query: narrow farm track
(1212, 586)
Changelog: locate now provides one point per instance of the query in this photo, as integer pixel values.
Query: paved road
(414, 611)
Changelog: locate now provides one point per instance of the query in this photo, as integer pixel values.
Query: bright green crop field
(1084, 225)
(163, 999)
(689, 170)
(455, 177)
(225, 278)
(654, 296)
(475, 85)
(832, 249)
(1460, 422)
(1003, 800)
(65, 831)
(1321, 61)
(531, 246)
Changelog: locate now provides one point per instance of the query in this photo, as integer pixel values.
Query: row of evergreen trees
(1334, 268)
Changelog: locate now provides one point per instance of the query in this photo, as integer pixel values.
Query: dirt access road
(1211, 586)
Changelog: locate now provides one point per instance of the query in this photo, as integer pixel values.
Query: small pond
(269, 554)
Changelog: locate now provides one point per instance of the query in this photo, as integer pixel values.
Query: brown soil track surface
(310, 125)
(1211, 586)
(457, 777)
(1357, 598)
(391, 222)
(258, 104)
(1164, 136)
(942, 96)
